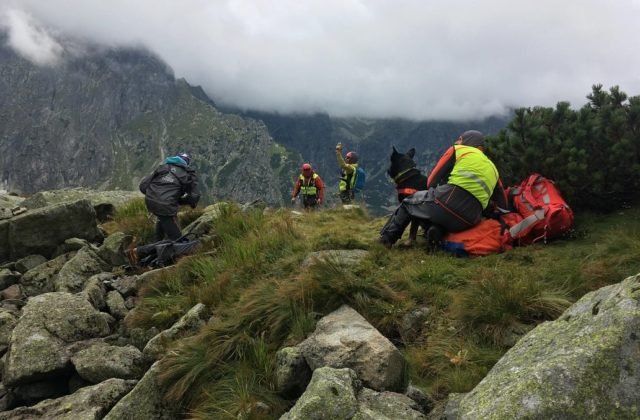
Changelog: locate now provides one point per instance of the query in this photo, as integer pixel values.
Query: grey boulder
(75, 272)
(101, 361)
(386, 405)
(331, 394)
(292, 372)
(188, 325)
(38, 344)
(41, 231)
(145, 402)
(88, 403)
(586, 364)
(344, 339)
(41, 279)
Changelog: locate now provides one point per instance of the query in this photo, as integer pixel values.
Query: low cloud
(28, 38)
(418, 59)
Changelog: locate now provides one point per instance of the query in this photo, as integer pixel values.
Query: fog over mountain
(415, 59)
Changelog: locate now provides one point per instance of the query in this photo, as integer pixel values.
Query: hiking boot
(434, 237)
(409, 243)
(384, 242)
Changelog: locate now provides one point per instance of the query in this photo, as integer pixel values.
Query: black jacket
(168, 187)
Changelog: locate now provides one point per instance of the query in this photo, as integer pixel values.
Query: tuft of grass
(616, 256)
(134, 219)
(241, 394)
(502, 305)
(133, 208)
(451, 362)
(186, 217)
(165, 300)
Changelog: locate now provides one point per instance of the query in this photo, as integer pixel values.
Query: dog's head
(401, 162)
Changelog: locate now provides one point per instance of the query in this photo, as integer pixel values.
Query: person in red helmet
(348, 166)
(310, 185)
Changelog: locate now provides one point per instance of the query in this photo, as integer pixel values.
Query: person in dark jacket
(459, 189)
(172, 184)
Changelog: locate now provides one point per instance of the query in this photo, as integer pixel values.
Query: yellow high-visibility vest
(474, 172)
(308, 188)
(351, 178)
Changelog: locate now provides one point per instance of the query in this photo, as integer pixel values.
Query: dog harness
(406, 191)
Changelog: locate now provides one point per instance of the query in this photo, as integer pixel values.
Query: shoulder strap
(527, 191)
(348, 179)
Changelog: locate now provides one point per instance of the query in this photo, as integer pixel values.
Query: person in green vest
(310, 186)
(459, 189)
(348, 166)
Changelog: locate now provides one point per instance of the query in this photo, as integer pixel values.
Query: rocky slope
(104, 118)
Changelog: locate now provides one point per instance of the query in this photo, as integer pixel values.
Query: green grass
(134, 219)
(265, 297)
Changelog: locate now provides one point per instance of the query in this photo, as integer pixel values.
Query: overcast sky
(419, 59)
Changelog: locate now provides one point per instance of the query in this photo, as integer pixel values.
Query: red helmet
(352, 157)
(307, 169)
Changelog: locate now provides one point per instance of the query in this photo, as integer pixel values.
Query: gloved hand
(339, 147)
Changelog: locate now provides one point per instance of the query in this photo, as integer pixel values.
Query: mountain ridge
(104, 118)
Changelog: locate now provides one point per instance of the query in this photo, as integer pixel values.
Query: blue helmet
(185, 156)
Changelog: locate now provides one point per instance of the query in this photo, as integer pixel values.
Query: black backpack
(164, 253)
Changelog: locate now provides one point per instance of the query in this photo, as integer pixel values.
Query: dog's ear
(394, 151)
(411, 153)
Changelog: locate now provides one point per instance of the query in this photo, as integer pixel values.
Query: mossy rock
(584, 365)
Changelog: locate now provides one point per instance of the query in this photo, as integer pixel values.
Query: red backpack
(545, 213)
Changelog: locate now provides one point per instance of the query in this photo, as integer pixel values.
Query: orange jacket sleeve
(443, 168)
(296, 188)
(320, 188)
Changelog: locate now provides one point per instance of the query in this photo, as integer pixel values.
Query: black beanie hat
(472, 138)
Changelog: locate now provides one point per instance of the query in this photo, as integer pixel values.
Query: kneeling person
(459, 188)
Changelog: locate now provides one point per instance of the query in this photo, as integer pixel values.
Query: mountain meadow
(452, 318)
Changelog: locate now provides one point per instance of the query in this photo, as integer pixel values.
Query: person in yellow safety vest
(310, 185)
(348, 166)
(459, 189)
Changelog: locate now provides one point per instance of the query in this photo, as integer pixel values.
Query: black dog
(408, 180)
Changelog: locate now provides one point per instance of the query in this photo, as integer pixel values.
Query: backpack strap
(350, 178)
(524, 227)
(527, 197)
(406, 191)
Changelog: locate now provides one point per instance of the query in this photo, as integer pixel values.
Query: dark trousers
(309, 201)
(450, 207)
(167, 225)
(346, 196)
